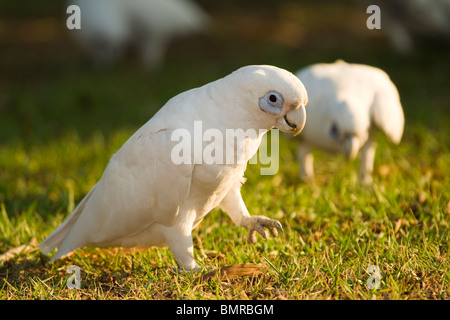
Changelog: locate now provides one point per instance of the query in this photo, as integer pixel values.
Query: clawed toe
(258, 224)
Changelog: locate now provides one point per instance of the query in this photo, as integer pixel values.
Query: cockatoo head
(348, 127)
(275, 95)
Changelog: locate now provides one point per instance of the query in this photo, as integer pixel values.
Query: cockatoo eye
(272, 103)
(334, 131)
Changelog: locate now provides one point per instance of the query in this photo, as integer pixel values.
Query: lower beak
(293, 121)
(350, 147)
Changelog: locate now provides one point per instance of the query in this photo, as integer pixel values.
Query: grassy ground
(60, 121)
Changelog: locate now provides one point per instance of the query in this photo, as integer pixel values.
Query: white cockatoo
(109, 27)
(348, 102)
(147, 198)
(414, 24)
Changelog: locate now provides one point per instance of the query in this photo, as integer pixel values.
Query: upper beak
(293, 121)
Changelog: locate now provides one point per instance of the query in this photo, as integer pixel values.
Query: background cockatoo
(110, 27)
(348, 102)
(144, 199)
(414, 25)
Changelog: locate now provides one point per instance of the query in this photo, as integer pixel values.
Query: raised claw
(258, 223)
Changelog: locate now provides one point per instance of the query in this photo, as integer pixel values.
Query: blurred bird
(110, 27)
(144, 199)
(411, 24)
(348, 102)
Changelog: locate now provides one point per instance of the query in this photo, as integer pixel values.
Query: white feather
(347, 102)
(144, 199)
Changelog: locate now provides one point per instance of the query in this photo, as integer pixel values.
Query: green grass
(60, 122)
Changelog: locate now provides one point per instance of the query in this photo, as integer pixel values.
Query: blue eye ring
(272, 102)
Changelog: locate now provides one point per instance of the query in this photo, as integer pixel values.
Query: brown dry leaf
(384, 170)
(317, 235)
(422, 197)
(398, 225)
(22, 249)
(234, 271)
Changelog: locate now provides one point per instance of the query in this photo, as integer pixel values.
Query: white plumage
(348, 102)
(109, 27)
(143, 199)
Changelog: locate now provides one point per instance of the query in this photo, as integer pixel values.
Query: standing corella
(146, 198)
(348, 102)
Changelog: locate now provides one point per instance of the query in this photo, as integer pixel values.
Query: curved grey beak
(293, 121)
(350, 147)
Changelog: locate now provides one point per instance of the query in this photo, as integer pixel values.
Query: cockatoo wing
(140, 186)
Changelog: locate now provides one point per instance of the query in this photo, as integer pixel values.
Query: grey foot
(258, 223)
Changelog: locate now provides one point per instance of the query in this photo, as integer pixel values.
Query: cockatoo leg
(306, 162)
(234, 206)
(367, 158)
(181, 245)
